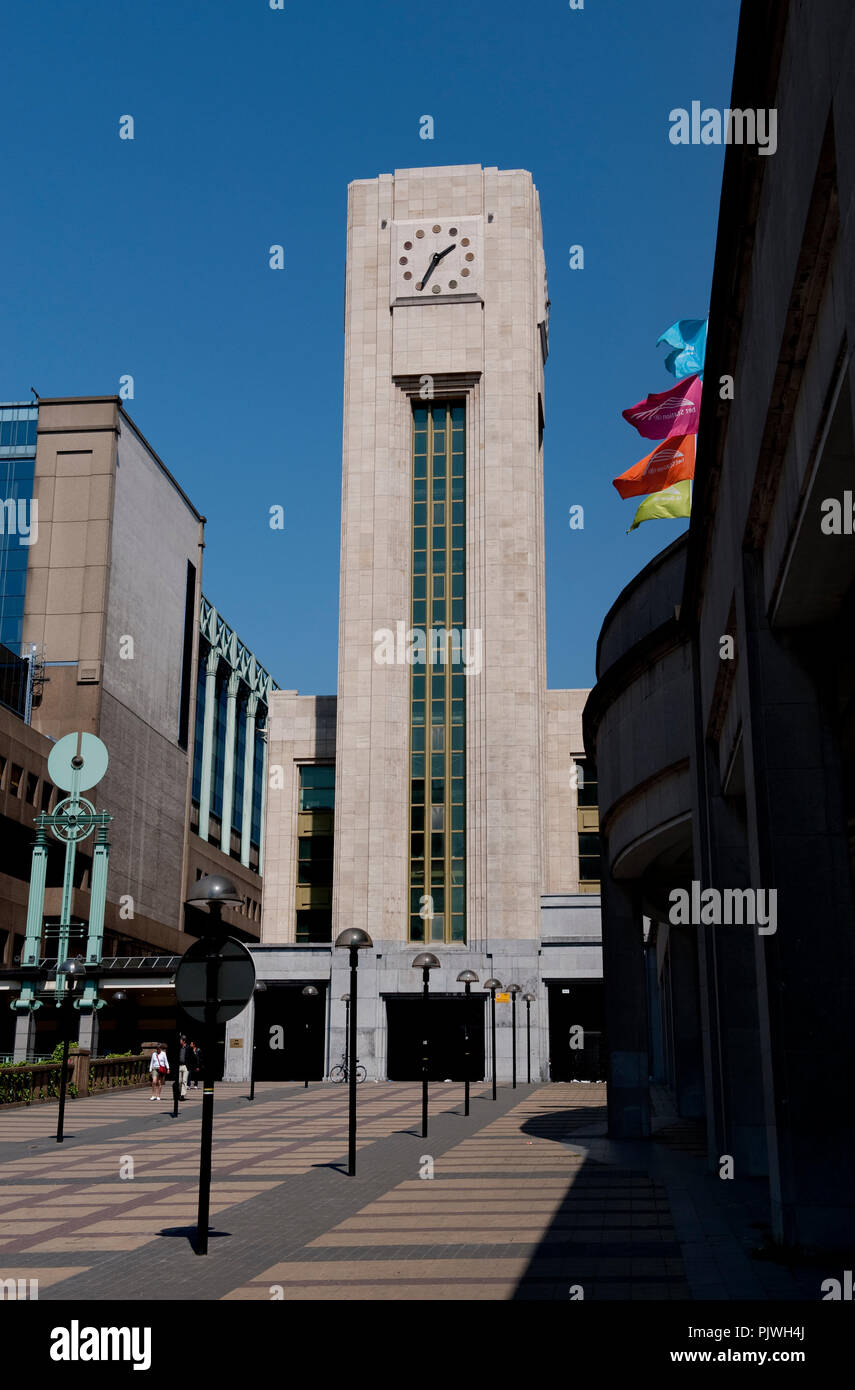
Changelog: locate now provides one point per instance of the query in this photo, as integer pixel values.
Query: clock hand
(434, 262)
(445, 252)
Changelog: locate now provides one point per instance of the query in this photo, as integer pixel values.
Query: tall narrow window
(437, 690)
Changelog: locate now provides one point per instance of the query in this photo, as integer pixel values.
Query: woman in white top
(159, 1068)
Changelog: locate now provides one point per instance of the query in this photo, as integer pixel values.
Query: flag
(672, 501)
(671, 462)
(688, 338)
(664, 413)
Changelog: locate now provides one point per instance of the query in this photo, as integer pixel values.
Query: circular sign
(219, 972)
(90, 764)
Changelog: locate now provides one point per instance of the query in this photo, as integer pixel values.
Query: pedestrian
(183, 1070)
(194, 1065)
(159, 1068)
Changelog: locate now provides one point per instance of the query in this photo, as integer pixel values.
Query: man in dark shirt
(182, 1066)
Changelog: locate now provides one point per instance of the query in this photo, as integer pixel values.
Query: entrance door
(577, 1049)
(289, 1032)
(450, 1023)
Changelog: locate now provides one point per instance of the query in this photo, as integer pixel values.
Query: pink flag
(674, 411)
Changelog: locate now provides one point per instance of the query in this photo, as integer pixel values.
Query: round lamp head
(529, 998)
(467, 977)
(354, 936)
(514, 989)
(310, 991)
(260, 987)
(345, 999)
(73, 968)
(212, 889)
(493, 984)
(119, 997)
(425, 961)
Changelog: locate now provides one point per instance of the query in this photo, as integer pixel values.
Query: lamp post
(215, 890)
(345, 999)
(529, 1000)
(492, 985)
(260, 988)
(73, 970)
(309, 992)
(467, 978)
(426, 962)
(513, 991)
(354, 939)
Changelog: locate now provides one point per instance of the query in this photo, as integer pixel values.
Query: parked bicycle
(342, 1071)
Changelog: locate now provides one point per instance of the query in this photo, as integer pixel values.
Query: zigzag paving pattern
(528, 1200)
(511, 1212)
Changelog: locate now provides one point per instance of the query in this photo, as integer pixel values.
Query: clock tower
(441, 689)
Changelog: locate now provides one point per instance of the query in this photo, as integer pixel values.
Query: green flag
(671, 501)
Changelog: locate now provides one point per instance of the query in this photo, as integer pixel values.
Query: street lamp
(309, 992)
(426, 963)
(468, 978)
(353, 939)
(492, 985)
(218, 892)
(345, 999)
(73, 970)
(529, 1000)
(513, 991)
(260, 988)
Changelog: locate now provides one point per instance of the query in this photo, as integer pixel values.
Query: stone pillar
(654, 1016)
(211, 665)
(798, 846)
(263, 804)
(229, 762)
(248, 775)
(87, 1034)
(25, 1036)
(624, 985)
(688, 1055)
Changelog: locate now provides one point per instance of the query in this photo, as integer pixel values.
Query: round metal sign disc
(92, 765)
(232, 978)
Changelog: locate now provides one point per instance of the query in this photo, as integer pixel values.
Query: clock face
(436, 258)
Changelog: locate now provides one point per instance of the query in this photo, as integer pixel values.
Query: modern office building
(433, 801)
(723, 719)
(106, 630)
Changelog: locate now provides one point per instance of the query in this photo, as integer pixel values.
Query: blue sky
(150, 256)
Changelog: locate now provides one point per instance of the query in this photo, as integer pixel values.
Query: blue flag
(688, 339)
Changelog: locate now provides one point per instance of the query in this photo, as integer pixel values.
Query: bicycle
(342, 1071)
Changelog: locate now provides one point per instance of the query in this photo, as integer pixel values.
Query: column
(625, 989)
(248, 775)
(798, 846)
(229, 762)
(87, 1034)
(688, 1055)
(25, 1036)
(263, 804)
(211, 664)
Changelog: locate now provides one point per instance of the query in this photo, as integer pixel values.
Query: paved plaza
(528, 1200)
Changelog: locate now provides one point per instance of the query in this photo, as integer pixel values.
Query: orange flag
(671, 462)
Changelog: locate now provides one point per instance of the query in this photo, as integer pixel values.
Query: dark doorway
(449, 1018)
(576, 1017)
(290, 1028)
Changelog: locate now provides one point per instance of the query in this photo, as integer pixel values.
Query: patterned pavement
(528, 1200)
